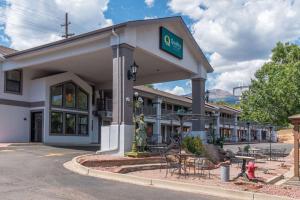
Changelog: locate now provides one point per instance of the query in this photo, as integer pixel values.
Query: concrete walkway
(234, 147)
(36, 172)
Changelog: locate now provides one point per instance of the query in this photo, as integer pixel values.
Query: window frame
(65, 123)
(79, 89)
(20, 82)
(62, 95)
(62, 117)
(75, 95)
(76, 111)
(79, 124)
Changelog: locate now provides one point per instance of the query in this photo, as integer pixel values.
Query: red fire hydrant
(251, 170)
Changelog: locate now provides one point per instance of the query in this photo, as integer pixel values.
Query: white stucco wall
(148, 39)
(14, 120)
(14, 124)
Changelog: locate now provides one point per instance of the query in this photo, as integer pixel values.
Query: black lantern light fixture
(131, 73)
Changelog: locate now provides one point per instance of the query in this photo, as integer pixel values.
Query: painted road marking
(54, 154)
(6, 150)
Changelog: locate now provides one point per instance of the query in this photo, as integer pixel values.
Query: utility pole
(66, 25)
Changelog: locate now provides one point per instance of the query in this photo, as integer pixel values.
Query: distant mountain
(219, 95)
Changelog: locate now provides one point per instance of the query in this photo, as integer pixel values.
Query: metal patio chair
(172, 164)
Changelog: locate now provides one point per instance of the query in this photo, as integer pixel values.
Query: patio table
(254, 150)
(182, 157)
(243, 168)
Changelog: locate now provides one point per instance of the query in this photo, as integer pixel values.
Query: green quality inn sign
(171, 43)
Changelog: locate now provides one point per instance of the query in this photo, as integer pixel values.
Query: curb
(275, 179)
(74, 166)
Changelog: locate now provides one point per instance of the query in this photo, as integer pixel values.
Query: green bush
(193, 145)
(246, 148)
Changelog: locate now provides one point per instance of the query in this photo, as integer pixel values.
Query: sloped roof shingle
(6, 51)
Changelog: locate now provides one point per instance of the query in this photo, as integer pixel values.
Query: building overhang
(90, 55)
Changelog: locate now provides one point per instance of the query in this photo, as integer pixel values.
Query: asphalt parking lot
(36, 172)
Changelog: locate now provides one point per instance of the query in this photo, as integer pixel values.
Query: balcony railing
(148, 110)
(227, 121)
(104, 104)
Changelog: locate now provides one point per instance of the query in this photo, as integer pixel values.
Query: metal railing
(104, 104)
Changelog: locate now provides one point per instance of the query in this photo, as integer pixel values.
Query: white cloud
(28, 26)
(149, 3)
(176, 90)
(190, 8)
(150, 17)
(237, 74)
(239, 34)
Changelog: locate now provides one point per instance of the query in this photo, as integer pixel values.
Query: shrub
(246, 148)
(193, 145)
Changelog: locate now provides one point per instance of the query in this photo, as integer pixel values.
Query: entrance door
(36, 126)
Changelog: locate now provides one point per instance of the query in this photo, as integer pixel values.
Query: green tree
(274, 94)
(149, 86)
(223, 103)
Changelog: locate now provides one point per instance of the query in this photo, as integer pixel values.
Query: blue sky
(236, 42)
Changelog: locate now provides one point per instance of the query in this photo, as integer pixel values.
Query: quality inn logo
(167, 40)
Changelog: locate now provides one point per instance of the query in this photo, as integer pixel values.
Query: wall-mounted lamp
(131, 73)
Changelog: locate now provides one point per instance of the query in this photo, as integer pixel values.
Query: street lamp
(131, 73)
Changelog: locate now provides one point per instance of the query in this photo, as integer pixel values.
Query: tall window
(56, 122)
(56, 96)
(82, 125)
(69, 110)
(70, 124)
(70, 90)
(82, 100)
(13, 81)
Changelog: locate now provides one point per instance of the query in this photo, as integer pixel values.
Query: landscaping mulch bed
(118, 164)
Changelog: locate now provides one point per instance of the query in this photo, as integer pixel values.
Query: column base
(157, 139)
(201, 134)
(116, 139)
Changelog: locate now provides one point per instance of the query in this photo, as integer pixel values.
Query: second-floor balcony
(104, 104)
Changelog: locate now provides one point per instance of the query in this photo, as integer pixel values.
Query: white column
(274, 135)
(166, 133)
(198, 107)
(259, 135)
(157, 125)
(249, 134)
(218, 135)
(235, 125)
(121, 130)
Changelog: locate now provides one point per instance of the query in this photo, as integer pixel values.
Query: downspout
(1, 57)
(119, 120)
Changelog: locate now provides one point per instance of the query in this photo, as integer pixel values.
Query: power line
(66, 25)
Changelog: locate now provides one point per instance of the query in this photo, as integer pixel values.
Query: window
(69, 95)
(70, 124)
(56, 122)
(82, 125)
(69, 112)
(82, 100)
(56, 96)
(13, 81)
(149, 102)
